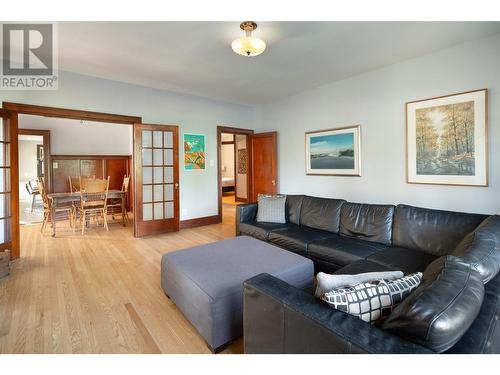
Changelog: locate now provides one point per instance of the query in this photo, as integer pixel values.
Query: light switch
(212, 163)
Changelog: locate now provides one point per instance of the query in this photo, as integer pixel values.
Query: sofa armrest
(279, 318)
(245, 213)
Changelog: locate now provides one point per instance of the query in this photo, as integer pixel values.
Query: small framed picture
(447, 140)
(194, 152)
(334, 152)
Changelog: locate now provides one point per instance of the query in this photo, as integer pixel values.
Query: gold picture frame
(447, 140)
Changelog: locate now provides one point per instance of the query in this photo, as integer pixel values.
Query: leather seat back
(321, 213)
(432, 231)
(293, 207)
(481, 248)
(369, 222)
(441, 310)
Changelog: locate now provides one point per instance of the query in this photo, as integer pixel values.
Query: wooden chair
(93, 200)
(62, 213)
(32, 188)
(74, 184)
(115, 205)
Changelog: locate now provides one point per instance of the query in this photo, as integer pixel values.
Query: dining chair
(33, 191)
(61, 213)
(93, 201)
(115, 204)
(74, 184)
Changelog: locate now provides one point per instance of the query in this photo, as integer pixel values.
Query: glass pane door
(155, 155)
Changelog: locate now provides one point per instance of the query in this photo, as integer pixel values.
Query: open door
(9, 184)
(156, 179)
(264, 164)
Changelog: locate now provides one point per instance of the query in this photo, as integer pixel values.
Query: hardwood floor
(99, 293)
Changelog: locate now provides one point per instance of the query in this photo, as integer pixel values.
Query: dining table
(58, 199)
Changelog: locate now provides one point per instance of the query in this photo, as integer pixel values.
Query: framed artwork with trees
(447, 139)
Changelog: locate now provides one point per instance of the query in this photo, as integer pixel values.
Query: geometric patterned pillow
(271, 208)
(372, 301)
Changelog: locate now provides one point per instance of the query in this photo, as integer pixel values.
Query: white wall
(376, 100)
(227, 160)
(70, 137)
(198, 191)
(27, 165)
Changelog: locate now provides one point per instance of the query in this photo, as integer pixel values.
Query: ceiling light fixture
(248, 45)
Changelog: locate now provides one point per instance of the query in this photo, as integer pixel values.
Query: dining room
(81, 181)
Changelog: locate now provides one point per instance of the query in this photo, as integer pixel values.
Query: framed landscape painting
(447, 140)
(194, 152)
(334, 152)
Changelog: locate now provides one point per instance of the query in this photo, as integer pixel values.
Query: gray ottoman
(206, 282)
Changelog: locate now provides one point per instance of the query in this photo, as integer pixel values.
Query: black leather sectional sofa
(348, 238)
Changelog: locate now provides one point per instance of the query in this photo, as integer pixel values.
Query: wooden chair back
(126, 182)
(74, 184)
(94, 191)
(43, 193)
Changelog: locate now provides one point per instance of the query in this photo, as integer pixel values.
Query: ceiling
(196, 57)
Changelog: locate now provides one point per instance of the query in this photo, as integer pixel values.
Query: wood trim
(14, 181)
(30, 109)
(249, 133)
(47, 171)
(200, 221)
(76, 157)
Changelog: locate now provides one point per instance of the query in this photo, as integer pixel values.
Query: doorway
(247, 165)
(234, 149)
(34, 162)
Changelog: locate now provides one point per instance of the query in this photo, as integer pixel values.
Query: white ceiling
(196, 57)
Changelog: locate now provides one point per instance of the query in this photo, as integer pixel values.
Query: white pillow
(327, 282)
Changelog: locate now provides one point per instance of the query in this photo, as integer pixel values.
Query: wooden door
(9, 184)
(264, 164)
(156, 179)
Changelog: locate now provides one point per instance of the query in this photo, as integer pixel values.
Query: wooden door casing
(264, 163)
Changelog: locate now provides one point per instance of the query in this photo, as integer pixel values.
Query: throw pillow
(327, 282)
(372, 301)
(271, 208)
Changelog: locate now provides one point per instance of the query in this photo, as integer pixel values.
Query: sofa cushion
(369, 222)
(432, 231)
(297, 239)
(362, 266)
(406, 260)
(343, 250)
(261, 231)
(481, 248)
(321, 213)
(440, 311)
(293, 207)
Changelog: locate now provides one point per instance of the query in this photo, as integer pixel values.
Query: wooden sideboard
(100, 166)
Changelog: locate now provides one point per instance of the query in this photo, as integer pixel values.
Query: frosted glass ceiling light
(248, 45)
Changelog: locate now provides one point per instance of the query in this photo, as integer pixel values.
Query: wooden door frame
(28, 109)
(138, 177)
(46, 152)
(249, 133)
